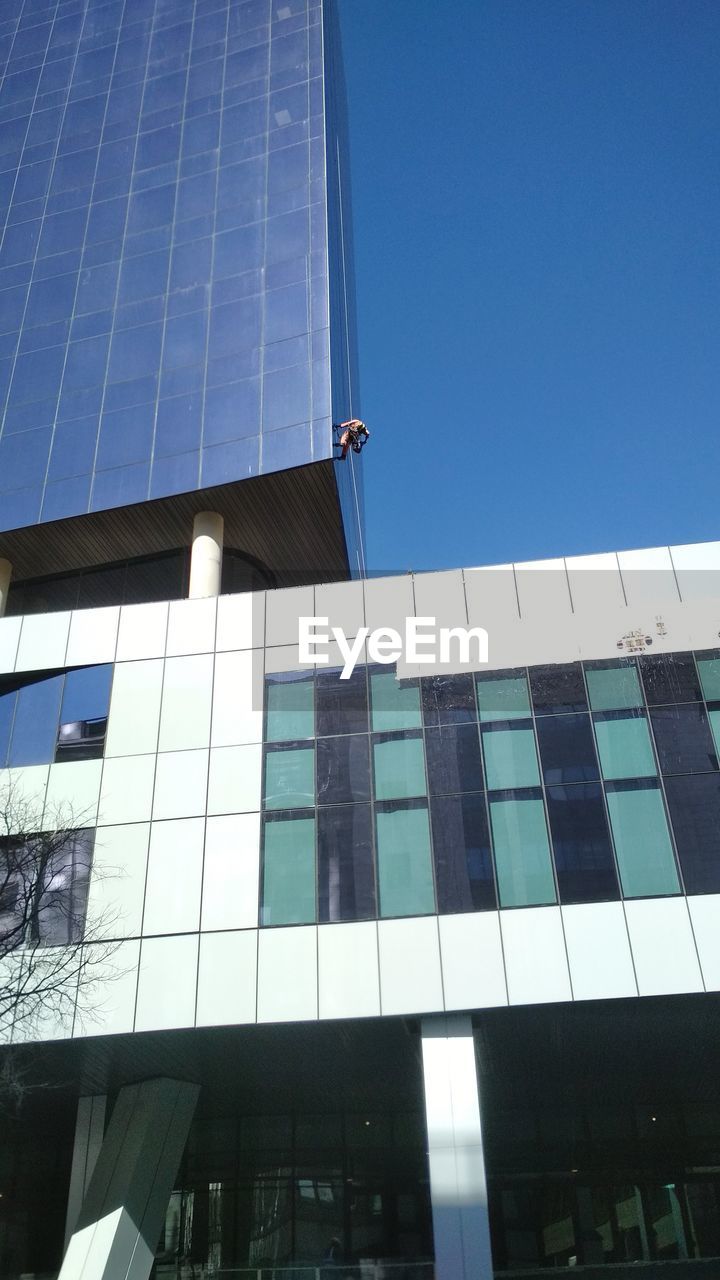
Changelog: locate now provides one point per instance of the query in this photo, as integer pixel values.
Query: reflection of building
(347, 917)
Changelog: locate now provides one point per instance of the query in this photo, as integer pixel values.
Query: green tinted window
(395, 703)
(290, 710)
(642, 843)
(613, 688)
(714, 718)
(709, 669)
(506, 698)
(290, 778)
(522, 853)
(625, 748)
(510, 759)
(288, 893)
(399, 769)
(405, 879)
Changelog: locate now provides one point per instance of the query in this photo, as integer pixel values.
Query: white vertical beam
(5, 576)
(458, 1185)
(206, 555)
(89, 1130)
(128, 1194)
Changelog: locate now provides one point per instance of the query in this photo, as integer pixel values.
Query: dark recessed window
(448, 699)
(567, 749)
(463, 861)
(694, 805)
(581, 844)
(342, 705)
(346, 877)
(670, 677)
(683, 739)
(453, 759)
(557, 689)
(343, 769)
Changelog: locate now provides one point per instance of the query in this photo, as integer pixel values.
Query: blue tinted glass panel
(86, 695)
(683, 739)
(694, 805)
(36, 722)
(669, 677)
(346, 873)
(343, 769)
(453, 759)
(448, 699)
(557, 689)
(584, 862)
(461, 851)
(7, 711)
(567, 749)
(342, 705)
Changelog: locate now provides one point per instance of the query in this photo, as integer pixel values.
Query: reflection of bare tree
(52, 960)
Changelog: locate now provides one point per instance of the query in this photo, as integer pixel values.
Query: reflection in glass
(463, 861)
(83, 714)
(36, 720)
(346, 876)
(288, 878)
(405, 881)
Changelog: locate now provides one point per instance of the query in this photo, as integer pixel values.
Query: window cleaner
(354, 436)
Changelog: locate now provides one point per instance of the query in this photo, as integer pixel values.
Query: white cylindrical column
(458, 1186)
(5, 576)
(206, 555)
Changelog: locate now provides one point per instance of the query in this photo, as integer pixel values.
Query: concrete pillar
(206, 555)
(89, 1132)
(125, 1203)
(5, 576)
(458, 1186)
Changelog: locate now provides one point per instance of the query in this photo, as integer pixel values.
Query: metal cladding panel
(165, 318)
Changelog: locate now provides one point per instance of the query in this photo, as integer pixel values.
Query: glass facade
(578, 783)
(168, 250)
(59, 717)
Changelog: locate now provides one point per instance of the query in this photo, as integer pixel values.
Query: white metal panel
(441, 596)
(542, 587)
(595, 583)
(110, 1007)
(663, 946)
(73, 793)
(93, 636)
(180, 784)
(127, 790)
(598, 948)
(287, 974)
(237, 698)
(388, 602)
(186, 703)
(241, 621)
(535, 958)
(283, 609)
(230, 890)
(174, 876)
(167, 982)
(235, 780)
(117, 884)
(26, 787)
(648, 577)
(410, 976)
(697, 568)
(705, 917)
(191, 626)
(134, 718)
(343, 604)
(472, 961)
(348, 976)
(227, 978)
(9, 638)
(143, 631)
(42, 643)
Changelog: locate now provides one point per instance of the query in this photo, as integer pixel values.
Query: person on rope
(354, 436)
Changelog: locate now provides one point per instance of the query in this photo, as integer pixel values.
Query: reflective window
(669, 677)
(461, 848)
(289, 707)
(448, 699)
(45, 881)
(83, 713)
(613, 685)
(694, 805)
(584, 861)
(343, 769)
(709, 671)
(624, 745)
(453, 759)
(642, 840)
(395, 703)
(510, 757)
(399, 767)
(503, 697)
(346, 874)
(567, 750)
(288, 879)
(342, 705)
(405, 881)
(522, 853)
(683, 739)
(557, 689)
(36, 721)
(289, 777)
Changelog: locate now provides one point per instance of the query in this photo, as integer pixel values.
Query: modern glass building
(409, 975)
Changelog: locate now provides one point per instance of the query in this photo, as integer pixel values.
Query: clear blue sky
(536, 192)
